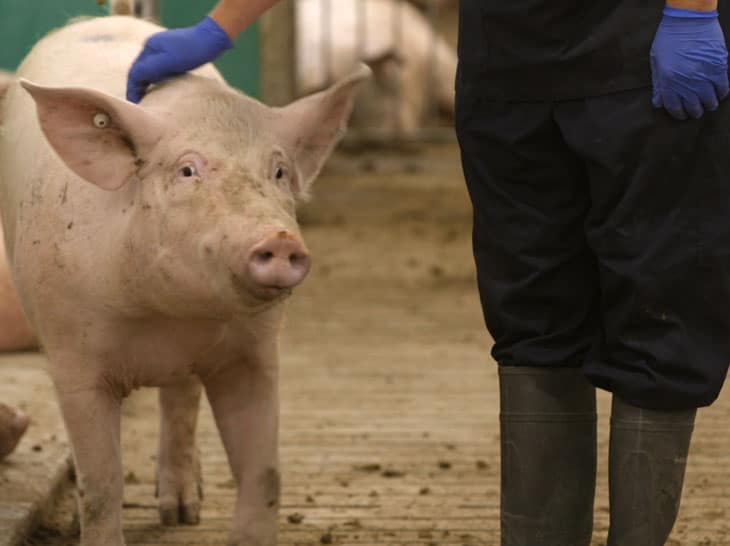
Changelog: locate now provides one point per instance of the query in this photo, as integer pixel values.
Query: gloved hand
(689, 63)
(175, 52)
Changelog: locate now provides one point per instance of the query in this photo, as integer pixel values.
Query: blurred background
(23, 23)
(303, 46)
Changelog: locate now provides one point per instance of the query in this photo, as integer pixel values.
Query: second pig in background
(413, 63)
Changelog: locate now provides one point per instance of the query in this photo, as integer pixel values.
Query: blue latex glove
(175, 52)
(689, 63)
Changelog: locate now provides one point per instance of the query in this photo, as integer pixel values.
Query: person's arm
(234, 16)
(693, 5)
(177, 51)
(689, 59)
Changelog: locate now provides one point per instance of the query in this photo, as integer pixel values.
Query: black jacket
(556, 49)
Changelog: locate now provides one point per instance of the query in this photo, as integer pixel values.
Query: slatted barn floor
(389, 398)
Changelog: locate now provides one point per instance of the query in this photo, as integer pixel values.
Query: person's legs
(539, 291)
(548, 449)
(658, 226)
(537, 277)
(647, 457)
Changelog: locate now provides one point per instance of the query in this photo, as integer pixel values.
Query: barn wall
(23, 22)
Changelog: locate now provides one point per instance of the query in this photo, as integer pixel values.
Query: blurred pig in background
(14, 334)
(13, 424)
(413, 64)
(14, 331)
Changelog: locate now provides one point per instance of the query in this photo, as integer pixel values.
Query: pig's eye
(280, 173)
(188, 171)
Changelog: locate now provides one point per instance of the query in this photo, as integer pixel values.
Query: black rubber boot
(548, 442)
(647, 457)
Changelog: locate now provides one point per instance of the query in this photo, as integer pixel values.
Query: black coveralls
(601, 225)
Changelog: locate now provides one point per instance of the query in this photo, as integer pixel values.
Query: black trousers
(602, 240)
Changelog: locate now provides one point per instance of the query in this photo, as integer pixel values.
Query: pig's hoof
(181, 508)
(13, 424)
(180, 490)
(183, 514)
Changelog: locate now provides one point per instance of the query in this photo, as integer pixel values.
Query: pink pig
(155, 245)
(14, 332)
(13, 424)
(414, 65)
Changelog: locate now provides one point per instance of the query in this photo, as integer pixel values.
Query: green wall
(23, 22)
(240, 65)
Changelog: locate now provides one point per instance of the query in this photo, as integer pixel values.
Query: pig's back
(89, 52)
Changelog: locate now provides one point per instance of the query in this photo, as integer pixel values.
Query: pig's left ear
(101, 138)
(312, 126)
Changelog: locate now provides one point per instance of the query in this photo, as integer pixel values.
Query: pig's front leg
(92, 417)
(244, 398)
(179, 484)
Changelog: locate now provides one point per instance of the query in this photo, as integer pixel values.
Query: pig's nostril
(263, 256)
(298, 259)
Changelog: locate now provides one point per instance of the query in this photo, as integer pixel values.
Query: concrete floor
(389, 400)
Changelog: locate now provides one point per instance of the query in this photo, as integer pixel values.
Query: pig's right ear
(101, 138)
(315, 124)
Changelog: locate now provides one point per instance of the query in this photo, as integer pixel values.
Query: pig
(413, 65)
(6, 78)
(15, 334)
(13, 424)
(14, 331)
(155, 245)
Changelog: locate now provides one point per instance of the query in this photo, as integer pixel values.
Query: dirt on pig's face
(216, 188)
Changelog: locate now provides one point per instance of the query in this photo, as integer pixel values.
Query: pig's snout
(278, 261)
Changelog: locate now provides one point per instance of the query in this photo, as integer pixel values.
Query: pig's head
(206, 181)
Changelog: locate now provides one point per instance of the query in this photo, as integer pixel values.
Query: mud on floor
(389, 430)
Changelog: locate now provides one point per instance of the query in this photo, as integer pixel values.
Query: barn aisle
(389, 430)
